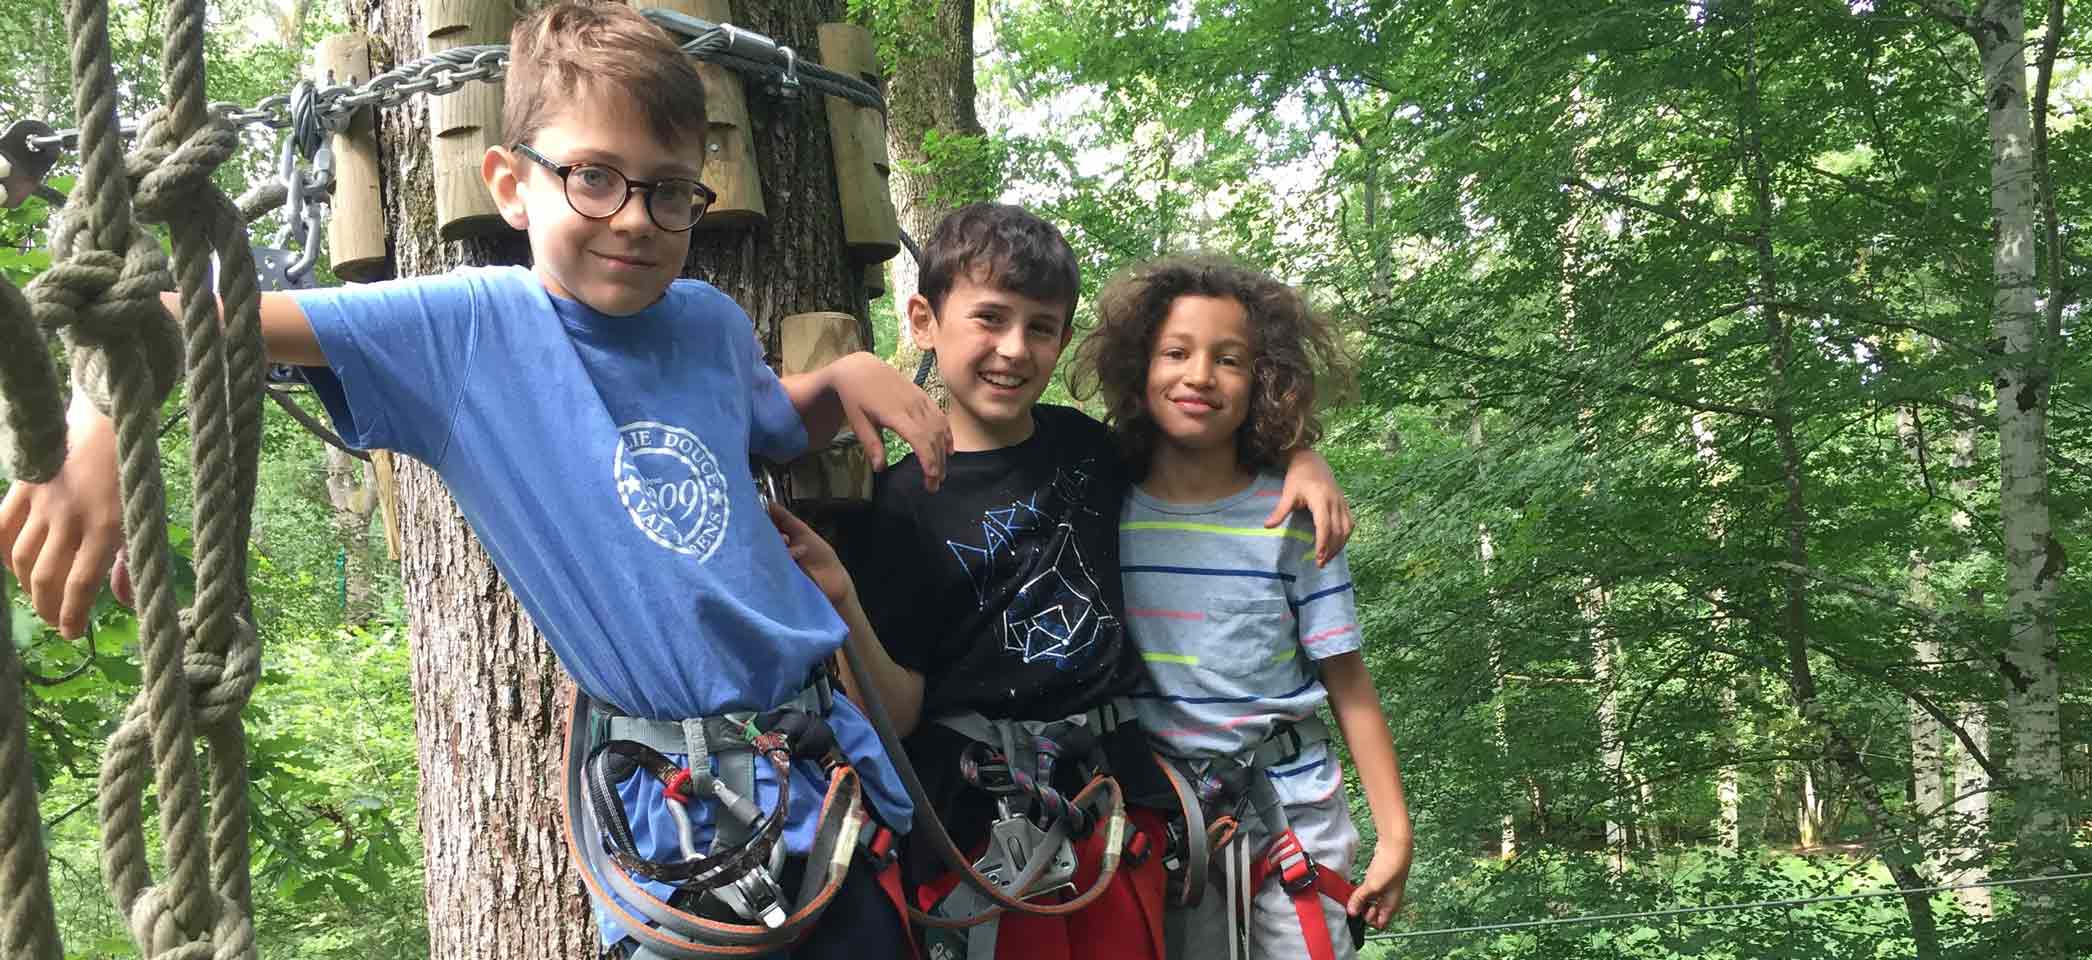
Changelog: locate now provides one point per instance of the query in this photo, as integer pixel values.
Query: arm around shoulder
(1311, 485)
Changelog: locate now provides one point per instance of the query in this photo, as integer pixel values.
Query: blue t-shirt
(603, 463)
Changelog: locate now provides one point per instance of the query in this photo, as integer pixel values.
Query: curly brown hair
(1293, 344)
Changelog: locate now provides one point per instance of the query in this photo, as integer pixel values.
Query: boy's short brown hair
(1004, 246)
(572, 47)
(1293, 343)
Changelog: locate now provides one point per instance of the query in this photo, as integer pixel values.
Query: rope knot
(220, 683)
(171, 175)
(159, 933)
(105, 302)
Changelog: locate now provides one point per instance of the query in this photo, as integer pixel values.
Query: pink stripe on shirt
(1330, 634)
(1166, 614)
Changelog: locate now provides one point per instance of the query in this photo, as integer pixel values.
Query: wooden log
(465, 123)
(827, 477)
(388, 500)
(356, 218)
(871, 229)
(730, 168)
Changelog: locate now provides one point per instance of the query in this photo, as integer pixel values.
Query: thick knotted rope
(102, 294)
(28, 928)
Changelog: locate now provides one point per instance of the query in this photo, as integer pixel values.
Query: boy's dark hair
(1007, 246)
(565, 48)
(1292, 344)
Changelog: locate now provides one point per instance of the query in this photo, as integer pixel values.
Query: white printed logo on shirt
(672, 487)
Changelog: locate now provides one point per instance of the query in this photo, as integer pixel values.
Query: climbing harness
(1030, 851)
(1215, 797)
(739, 870)
(1101, 796)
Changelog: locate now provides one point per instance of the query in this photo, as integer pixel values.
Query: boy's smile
(619, 265)
(996, 351)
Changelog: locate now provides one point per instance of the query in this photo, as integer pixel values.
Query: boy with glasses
(592, 416)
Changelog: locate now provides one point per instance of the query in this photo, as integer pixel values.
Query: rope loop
(154, 927)
(32, 430)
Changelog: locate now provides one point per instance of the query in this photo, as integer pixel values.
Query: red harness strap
(1306, 882)
(885, 860)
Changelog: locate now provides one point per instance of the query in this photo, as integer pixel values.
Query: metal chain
(450, 70)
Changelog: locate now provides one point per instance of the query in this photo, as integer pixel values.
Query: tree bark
(488, 695)
(929, 90)
(2034, 560)
(1499, 709)
(352, 489)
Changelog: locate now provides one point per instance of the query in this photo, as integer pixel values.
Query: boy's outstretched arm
(61, 537)
(1312, 486)
(860, 390)
(900, 689)
(1357, 707)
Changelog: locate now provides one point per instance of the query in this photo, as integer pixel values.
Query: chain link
(450, 70)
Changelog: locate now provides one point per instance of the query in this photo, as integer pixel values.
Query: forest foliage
(1676, 334)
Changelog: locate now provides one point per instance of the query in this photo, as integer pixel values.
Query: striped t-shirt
(1229, 618)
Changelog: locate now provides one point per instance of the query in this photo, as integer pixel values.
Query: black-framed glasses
(598, 191)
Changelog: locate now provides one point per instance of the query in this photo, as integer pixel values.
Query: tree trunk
(1809, 815)
(929, 90)
(1728, 787)
(2034, 560)
(352, 489)
(1794, 618)
(1499, 709)
(1619, 811)
(1928, 760)
(488, 694)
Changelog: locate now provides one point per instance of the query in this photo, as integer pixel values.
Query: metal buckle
(1296, 871)
(754, 896)
(1011, 843)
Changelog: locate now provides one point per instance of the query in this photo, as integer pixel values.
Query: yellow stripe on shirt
(1188, 527)
(1183, 658)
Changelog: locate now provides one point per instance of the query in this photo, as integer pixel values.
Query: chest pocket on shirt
(1251, 636)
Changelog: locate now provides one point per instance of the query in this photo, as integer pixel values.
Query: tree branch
(1690, 403)
(1674, 215)
(1953, 13)
(1932, 709)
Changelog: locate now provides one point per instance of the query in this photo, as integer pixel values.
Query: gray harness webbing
(1017, 848)
(1237, 784)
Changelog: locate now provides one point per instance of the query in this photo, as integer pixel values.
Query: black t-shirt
(1001, 589)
